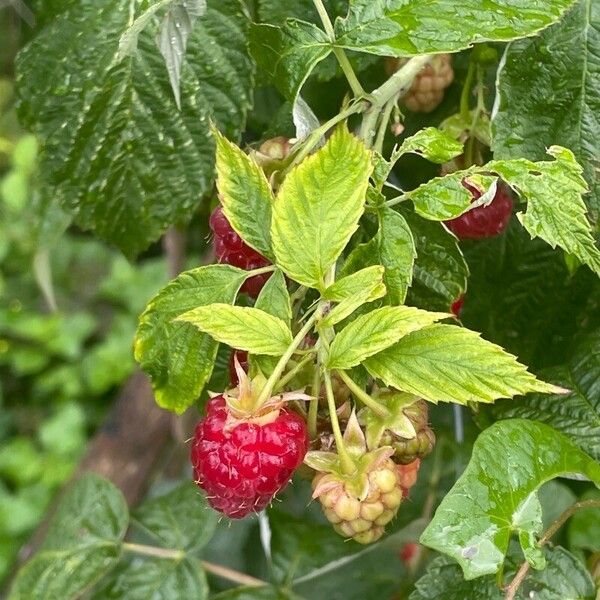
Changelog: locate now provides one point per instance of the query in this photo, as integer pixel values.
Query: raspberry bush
(328, 346)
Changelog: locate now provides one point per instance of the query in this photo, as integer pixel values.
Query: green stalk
(383, 125)
(313, 407)
(267, 391)
(465, 113)
(342, 59)
(366, 399)
(293, 372)
(346, 461)
(398, 84)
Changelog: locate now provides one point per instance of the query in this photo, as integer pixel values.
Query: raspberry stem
(267, 391)
(342, 59)
(293, 372)
(313, 407)
(346, 461)
(366, 399)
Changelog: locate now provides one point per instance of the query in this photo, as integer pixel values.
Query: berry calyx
(483, 221)
(405, 428)
(242, 357)
(232, 250)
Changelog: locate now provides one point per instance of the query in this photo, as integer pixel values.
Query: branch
(513, 587)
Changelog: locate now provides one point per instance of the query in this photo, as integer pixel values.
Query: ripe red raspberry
(242, 357)
(483, 221)
(457, 305)
(232, 250)
(409, 552)
(242, 464)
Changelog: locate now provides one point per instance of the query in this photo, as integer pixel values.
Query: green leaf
(397, 254)
(558, 104)
(577, 414)
(245, 194)
(376, 331)
(474, 522)
(156, 578)
(176, 27)
(274, 298)
(445, 363)
(555, 210)
(446, 197)
(288, 53)
(564, 577)
(127, 163)
(353, 291)
(83, 543)
(584, 527)
(318, 208)
(179, 520)
(178, 358)
(412, 27)
(440, 271)
(278, 11)
(256, 593)
(240, 327)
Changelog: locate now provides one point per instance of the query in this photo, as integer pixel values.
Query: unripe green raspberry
(363, 517)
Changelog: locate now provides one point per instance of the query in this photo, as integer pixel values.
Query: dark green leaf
(158, 579)
(246, 328)
(246, 195)
(178, 358)
(563, 578)
(179, 520)
(318, 208)
(83, 543)
(411, 27)
(578, 414)
(445, 363)
(440, 271)
(127, 162)
(584, 527)
(288, 53)
(256, 593)
(496, 497)
(549, 93)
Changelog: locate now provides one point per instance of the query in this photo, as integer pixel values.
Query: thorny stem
(219, 570)
(355, 85)
(513, 587)
(366, 399)
(276, 374)
(398, 84)
(346, 462)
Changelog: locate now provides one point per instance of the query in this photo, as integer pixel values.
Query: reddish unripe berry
(457, 305)
(409, 551)
(241, 464)
(242, 357)
(232, 250)
(483, 221)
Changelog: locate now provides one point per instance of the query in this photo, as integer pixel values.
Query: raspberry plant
(337, 286)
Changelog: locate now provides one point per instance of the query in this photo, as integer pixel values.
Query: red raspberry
(242, 357)
(242, 464)
(483, 221)
(457, 305)
(232, 250)
(409, 551)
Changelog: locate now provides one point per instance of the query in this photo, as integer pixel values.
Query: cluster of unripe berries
(243, 459)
